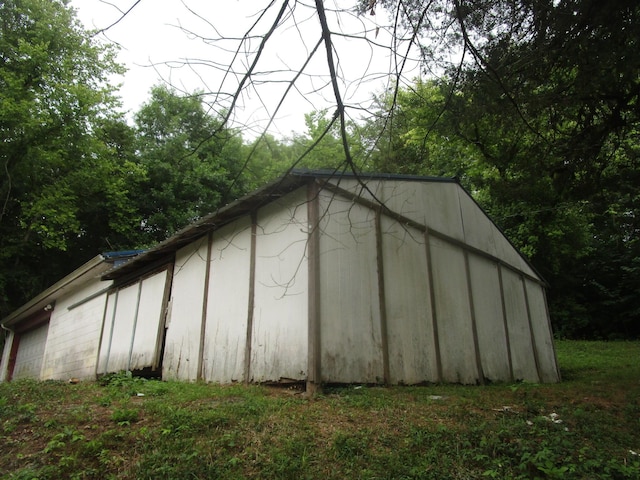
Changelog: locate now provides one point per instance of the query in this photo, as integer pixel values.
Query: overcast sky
(192, 43)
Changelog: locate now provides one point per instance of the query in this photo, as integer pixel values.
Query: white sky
(157, 46)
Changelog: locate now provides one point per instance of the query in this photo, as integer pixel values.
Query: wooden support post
(250, 306)
(314, 367)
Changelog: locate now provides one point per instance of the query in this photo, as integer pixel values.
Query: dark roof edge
(306, 173)
(282, 185)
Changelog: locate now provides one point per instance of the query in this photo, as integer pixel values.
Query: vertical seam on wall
(205, 303)
(113, 321)
(382, 302)
(506, 321)
(314, 366)
(101, 336)
(164, 313)
(135, 323)
(474, 327)
(531, 334)
(432, 297)
(250, 303)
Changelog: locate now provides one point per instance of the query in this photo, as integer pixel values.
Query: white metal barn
(319, 278)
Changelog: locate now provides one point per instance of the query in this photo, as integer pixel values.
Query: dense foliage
(61, 181)
(539, 119)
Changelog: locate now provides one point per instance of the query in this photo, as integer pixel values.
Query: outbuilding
(316, 278)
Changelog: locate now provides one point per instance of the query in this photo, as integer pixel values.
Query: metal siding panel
(455, 329)
(122, 329)
(31, 353)
(522, 356)
(280, 328)
(149, 313)
(187, 293)
(492, 337)
(74, 334)
(433, 204)
(226, 326)
(349, 311)
(412, 350)
(542, 333)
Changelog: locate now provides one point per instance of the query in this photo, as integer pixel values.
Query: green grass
(587, 427)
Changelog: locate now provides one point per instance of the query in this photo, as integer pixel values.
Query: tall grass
(587, 427)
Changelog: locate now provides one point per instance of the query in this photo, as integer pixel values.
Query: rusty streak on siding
(252, 291)
(314, 367)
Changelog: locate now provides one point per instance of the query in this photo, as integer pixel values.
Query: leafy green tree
(321, 146)
(547, 96)
(415, 138)
(268, 158)
(59, 170)
(193, 165)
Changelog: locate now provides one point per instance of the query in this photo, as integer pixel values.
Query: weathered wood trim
(382, 301)
(135, 324)
(101, 336)
(474, 325)
(432, 300)
(145, 272)
(13, 355)
(252, 293)
(534, 348)
(314, 354)
(162, 323)
(205, 303)
(113, 321)
(506, 322)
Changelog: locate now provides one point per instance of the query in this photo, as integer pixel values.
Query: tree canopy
(532, 104)
(58, 169)
(540, 119)
(193, 165)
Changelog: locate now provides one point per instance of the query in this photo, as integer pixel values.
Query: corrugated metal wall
(227, 305)
(431, 292)
(351, 339)
(252, 274)
(74, 333)
(132, 324)
(424, 289)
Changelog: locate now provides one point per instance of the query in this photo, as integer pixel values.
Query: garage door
(30, 353)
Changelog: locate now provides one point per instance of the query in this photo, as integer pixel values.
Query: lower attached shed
(317, 278)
